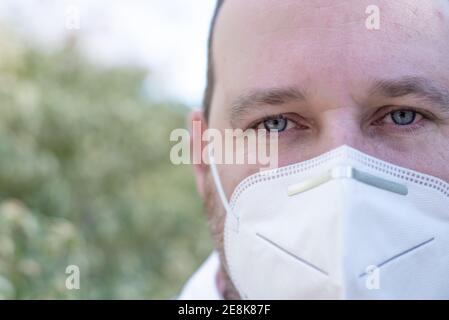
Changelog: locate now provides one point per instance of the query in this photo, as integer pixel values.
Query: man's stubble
(216, 217)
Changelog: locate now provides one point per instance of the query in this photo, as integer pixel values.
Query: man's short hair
(207, 99)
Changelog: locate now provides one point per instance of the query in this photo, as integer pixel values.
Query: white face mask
(343, 225)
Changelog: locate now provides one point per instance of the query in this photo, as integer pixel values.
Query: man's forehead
(266, 16)
(255, 38)
(248, 25)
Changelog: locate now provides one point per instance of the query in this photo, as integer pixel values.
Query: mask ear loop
(224, 201)
(218, 184)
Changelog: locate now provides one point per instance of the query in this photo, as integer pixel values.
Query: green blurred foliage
(86, 180)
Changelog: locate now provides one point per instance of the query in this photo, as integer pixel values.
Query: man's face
(384, 92)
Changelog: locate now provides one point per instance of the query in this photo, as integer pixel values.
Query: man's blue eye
(403, 117)
(277, 124)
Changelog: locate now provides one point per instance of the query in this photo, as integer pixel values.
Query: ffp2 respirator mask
(342, 225)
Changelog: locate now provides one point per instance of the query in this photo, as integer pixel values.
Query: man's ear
(197, 127)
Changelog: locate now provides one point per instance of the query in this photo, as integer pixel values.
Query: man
(324, 76)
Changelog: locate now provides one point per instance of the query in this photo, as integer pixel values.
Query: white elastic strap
(217, 181)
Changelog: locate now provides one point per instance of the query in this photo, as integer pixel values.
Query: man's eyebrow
(246, 102)
(421, 87)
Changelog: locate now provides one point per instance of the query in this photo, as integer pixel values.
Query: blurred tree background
(86, 180)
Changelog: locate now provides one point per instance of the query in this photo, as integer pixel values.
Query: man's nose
(341, 126)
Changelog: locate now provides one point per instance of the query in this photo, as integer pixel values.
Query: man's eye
(275, 124)
(402, 117)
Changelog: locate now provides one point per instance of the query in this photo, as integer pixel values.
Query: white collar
(202, 285)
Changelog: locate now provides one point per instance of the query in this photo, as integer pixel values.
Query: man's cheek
(430, 159)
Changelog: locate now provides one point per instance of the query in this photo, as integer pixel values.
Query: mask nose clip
(342, 172)
(348, 172)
